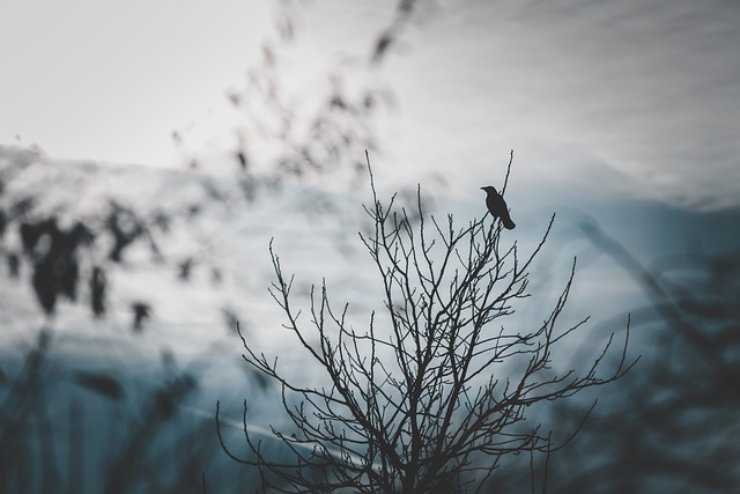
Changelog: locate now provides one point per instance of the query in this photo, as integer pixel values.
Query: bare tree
(433, 394)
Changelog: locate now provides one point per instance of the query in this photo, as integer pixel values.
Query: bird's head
(489, 189)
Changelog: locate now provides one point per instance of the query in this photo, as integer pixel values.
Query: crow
(497, 206)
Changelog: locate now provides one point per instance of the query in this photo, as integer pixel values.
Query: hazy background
(625, 114)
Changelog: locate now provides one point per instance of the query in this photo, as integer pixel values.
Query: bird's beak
(482, 188)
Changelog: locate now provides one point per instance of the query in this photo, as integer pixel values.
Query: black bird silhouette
(497, 207)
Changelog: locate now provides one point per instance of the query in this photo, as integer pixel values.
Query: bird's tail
(508, 224)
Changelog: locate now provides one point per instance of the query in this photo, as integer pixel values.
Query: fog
(187, 138)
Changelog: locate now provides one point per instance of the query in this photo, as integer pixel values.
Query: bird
(497, 206)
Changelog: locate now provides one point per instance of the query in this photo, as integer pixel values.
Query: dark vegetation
(673, 426)
(99, 431)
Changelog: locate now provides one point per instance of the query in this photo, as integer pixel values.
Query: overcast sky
(603, 102)
(634, 96)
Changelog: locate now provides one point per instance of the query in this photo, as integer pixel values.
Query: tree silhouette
(435, 392)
